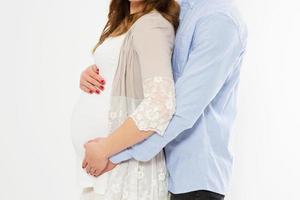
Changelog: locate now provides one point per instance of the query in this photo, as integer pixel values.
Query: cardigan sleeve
(153, 42)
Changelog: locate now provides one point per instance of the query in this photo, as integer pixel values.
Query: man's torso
(196, 159)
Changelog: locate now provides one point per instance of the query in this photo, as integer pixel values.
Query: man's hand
(96, 161)
(90, 80)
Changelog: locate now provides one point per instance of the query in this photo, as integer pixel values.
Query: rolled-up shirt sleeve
(215, 50)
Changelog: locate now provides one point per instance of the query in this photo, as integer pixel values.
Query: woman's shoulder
(152, 20)
(154, 29)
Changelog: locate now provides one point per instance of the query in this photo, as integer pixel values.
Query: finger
(97, 173)
(95, 68)
(94, 75)
(94, 80)
(97, 77)
(90, 87)
(93, 172)
(89, 141)
(92, 84)
(84, 85)
(85, 89)
(88, 169)
(85, 145)
(84, 163)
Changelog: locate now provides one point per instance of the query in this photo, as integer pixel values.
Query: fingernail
(91, 91)
(103, 81)
(97, 91)
(101, 87)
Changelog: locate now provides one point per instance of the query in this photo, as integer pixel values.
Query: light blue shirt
(209, 47)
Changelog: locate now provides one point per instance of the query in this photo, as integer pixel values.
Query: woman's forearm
(123, 137)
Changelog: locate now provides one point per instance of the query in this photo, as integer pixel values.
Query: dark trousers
(198, 195)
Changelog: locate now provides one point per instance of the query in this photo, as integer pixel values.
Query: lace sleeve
(158, 106)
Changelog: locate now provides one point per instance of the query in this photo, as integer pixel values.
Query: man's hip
(198, 195)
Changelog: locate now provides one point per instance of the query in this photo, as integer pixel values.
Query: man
(209, 47)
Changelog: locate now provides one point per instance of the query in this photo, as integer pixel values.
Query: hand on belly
(95, 162)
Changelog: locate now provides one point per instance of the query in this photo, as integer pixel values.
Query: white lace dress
(131, 180)
(90, 113)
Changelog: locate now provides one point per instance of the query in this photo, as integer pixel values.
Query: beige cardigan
(143, 89)
(143, 86)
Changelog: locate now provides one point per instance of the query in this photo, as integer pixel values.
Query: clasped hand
(96, 161)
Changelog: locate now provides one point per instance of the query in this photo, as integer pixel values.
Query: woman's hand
(90, 80)
(96, 161)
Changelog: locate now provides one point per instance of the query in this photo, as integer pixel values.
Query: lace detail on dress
(144, 181)
(158, 105)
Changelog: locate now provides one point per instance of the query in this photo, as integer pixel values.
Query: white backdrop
(44, 45)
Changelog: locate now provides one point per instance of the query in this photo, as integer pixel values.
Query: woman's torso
(132, 180)
(90, 114)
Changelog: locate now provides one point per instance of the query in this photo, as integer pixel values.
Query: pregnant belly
(89, 119)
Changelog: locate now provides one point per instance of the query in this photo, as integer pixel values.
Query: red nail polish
(91, 91)
(103, 81)
(97, 91)
(101, 87)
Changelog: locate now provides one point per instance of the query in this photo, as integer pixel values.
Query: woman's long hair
(120, 19)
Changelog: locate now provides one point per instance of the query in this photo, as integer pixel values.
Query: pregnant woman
(134, 54)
